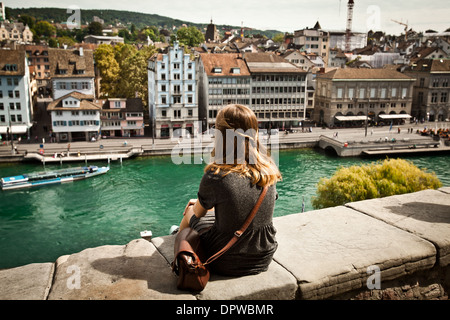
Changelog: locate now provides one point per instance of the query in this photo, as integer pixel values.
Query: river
(149, 193)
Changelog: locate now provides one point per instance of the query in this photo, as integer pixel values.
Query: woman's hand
(190, 203)
(192, 208)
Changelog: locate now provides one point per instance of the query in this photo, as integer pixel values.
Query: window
(362, 93)
(435, 83)
(176, 76)
(444, 97)
(85, 85)
(383, 93)
(394, 92)
(18, 107)
(434, 97)
(339, 93)
(373, 92)
(176, 66)
(351, 93)
(404, 92)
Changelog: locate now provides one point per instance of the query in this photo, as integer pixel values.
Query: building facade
(223, 79)
(278, 91)
(345, 97)
(16, 109)
(271, 86)
(75, 117)
(313, 40)
(172, 93)
(431, 89)
(15, 31)
(38, 57)
(72, 70)
(122, 118)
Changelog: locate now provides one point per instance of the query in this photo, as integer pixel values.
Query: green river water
(41, 224)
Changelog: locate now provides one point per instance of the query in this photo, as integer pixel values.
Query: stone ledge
(425, 213)
(29, 282)
(321, 254)
(334, 247)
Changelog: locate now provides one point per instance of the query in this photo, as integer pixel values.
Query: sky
(282, 15)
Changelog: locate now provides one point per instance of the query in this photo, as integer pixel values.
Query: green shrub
(376, 180)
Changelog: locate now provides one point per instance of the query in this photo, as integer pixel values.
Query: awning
(394, 116)
(351, 118)
(14, 129)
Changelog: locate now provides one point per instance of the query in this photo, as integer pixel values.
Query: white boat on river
(51, 177)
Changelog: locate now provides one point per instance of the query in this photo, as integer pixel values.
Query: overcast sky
(283, 15)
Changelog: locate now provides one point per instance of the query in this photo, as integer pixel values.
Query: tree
(108, 68)
(376, 180)
(190, 36)
(279, 37)
(44, 28)
(95, 28)
(123, 70)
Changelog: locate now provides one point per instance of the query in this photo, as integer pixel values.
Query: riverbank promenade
(391, 248)
(124, 148)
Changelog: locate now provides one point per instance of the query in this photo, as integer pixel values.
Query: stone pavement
(328, 253)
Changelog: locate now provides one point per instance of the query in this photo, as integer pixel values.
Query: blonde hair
(238, 149)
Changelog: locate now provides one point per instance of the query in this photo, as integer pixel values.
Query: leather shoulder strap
(238, 233)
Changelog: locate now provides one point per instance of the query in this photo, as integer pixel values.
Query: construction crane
(406, 28)
(348, 29)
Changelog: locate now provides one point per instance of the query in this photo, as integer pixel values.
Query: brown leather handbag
(193, 274)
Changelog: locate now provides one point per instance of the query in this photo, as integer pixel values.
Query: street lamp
(367, 115)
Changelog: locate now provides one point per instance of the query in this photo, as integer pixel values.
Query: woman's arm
(193, 207)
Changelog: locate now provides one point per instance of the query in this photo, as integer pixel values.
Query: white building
(74, 117)
(72, 70)
(338, 40)
(172, 92)
(15, 94)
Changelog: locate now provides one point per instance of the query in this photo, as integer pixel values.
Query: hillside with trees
(126, 18)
